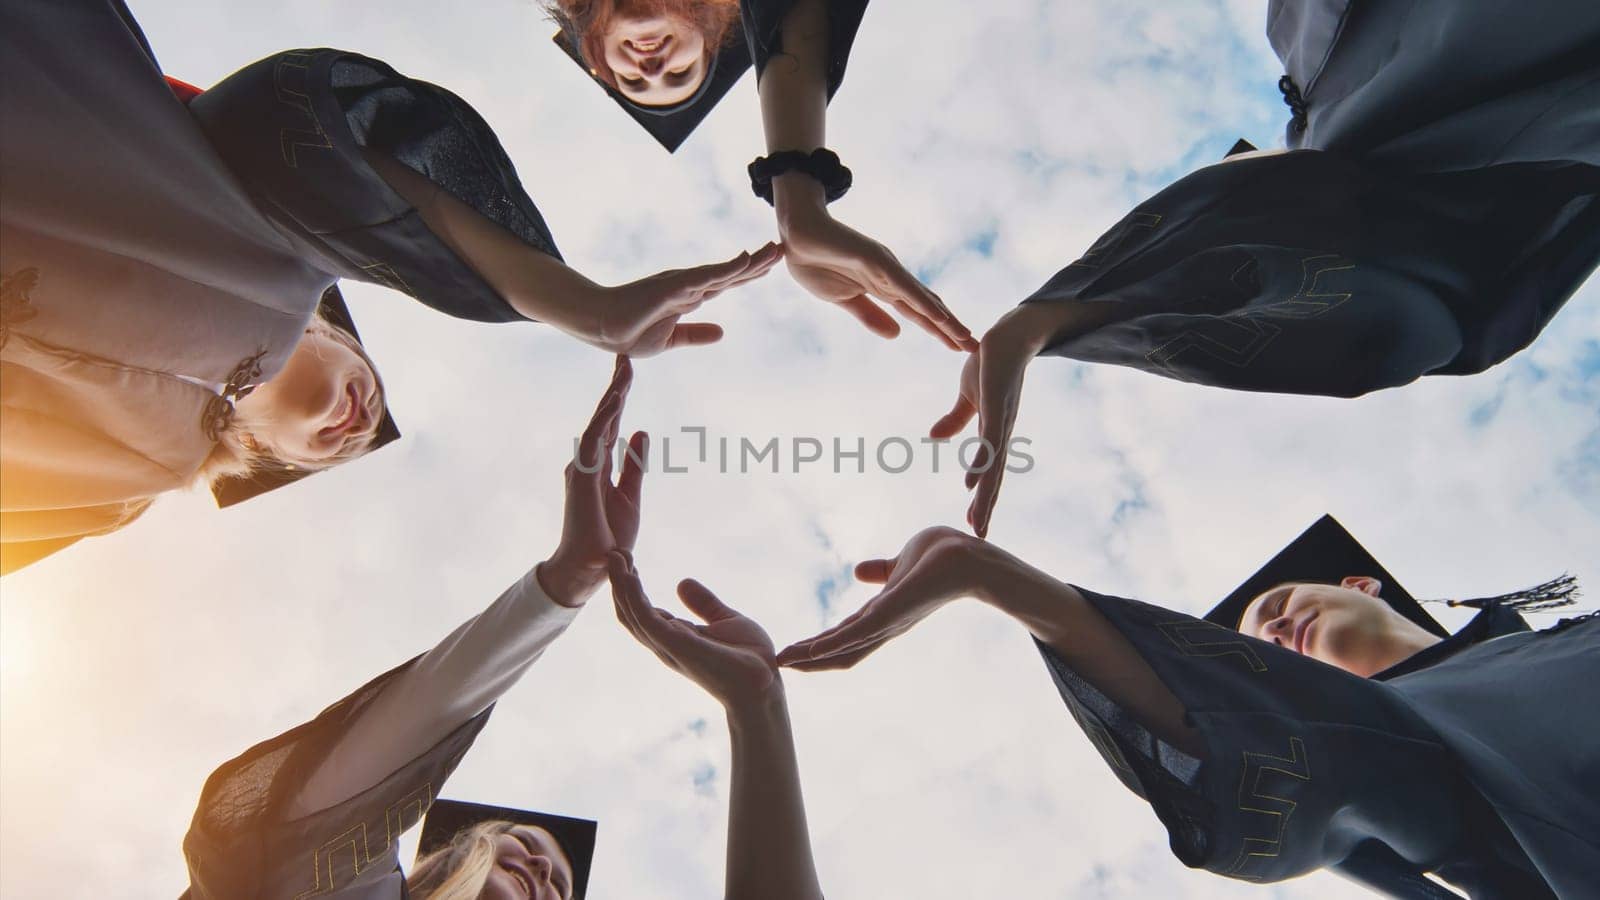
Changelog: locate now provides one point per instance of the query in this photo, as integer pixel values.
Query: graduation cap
(670, 125)
(1324, 553)
(229, 491)
(446, 818)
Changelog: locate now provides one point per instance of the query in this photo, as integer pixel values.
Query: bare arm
(794, 102)
(940, 565)
(833, 261)
(769, 844)
(639, 318)
(1093, 648)
(731, 657)
(537, 285)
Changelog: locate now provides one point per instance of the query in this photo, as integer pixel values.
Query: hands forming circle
(991, 390)
(599, 516)
(640, 318)
(936, 566)
(729, 656)
(845, 267)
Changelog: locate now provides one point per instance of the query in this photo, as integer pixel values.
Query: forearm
(1036, 327)
(439, 692)
(1065, 621)
(794, 103)
(538, 286)
(769, 845)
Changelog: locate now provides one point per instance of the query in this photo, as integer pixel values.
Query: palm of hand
(736, 652)
(935, 566)
(645, 313)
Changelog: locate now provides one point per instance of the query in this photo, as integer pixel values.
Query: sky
(991, 143)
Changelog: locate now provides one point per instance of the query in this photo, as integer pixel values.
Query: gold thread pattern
(1265, 777)
(296, 65)
(385, 274)
(1237, 339)
(1113, 241)
(354, 844)
(1200, 638)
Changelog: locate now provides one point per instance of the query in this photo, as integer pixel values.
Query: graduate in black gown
(164, 252)
(1317, 718)
(1436, 205)
(318, 810)
(669, 62)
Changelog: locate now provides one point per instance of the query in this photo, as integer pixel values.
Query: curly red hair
(590, 19)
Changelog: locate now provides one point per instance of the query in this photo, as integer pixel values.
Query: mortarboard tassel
(1553, 594)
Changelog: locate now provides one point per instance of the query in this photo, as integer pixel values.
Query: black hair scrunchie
(821, 164)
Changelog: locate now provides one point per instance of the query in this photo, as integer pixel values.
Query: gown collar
(1487, 624)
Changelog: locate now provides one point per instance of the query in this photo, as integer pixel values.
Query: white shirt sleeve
(468, 670)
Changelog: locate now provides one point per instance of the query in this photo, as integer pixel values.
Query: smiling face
(325, 404)
(657, 60)
(529, 864)
(1345, 625)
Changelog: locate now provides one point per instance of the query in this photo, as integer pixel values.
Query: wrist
(760, 712)
(1000, 577)
(798, 197)
(567, 583)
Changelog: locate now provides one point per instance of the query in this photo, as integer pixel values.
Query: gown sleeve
(1305, 766)
(763, 32)
(318, 810)
(1308, 273)
(293, 126)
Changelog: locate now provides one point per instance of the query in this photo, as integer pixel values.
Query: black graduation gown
(293, 125)
(241, 845)
(1441, 213)
(1466, 760)
(763, 33)
(148, 248)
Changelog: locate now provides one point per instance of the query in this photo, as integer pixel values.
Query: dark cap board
(446, 818)
(1323, 553)
(230, 491)
(671, 125)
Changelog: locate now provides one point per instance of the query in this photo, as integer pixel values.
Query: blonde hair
(459, 869)
(238, 454)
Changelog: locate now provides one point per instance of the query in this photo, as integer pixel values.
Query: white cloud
(944, 766)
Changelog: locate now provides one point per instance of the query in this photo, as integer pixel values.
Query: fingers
(867, 313)
(838, 660)
(999, 390)
(874, 571)
(633, 467)
(869, 624)
(922, 321)
(648, 625)
(629, 601)
(606, 416)
(744, 267)
(694, 334)
(955, 421)
(923, 303)
(703, 603)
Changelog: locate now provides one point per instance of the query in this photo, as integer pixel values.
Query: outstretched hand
(730, 656)
(936, 566)
(991, 389)
(599, 516)
(641, 318)
(845, 267)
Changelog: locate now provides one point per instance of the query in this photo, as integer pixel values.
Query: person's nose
(650, 65)
(542, 867)
(1279, 629)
